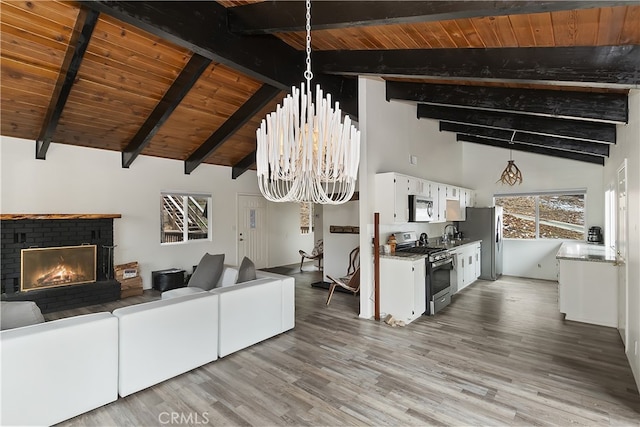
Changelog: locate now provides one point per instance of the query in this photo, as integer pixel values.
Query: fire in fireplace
(59, 266)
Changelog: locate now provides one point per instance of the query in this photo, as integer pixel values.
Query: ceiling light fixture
(304, 152)
(511, 174)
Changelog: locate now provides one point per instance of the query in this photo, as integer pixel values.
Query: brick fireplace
(58, 234)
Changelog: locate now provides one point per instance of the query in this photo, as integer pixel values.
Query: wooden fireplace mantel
(9, 217)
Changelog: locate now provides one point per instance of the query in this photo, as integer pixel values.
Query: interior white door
(252, 229)
(621, 251)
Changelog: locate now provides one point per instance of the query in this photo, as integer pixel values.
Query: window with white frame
(306, 217)
(543, 215)
(184, 217)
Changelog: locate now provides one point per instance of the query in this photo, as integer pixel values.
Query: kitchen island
(588, 283)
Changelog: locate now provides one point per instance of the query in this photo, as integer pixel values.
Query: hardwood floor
(500, 354)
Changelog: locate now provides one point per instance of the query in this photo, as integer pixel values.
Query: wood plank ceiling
(192, 80)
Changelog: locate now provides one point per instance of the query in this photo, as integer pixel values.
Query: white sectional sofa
(249, 312)
(57, 370)
(162, 339)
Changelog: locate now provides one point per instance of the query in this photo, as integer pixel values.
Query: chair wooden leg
(333, 288)
(301, 261)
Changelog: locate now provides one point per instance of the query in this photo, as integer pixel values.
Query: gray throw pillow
(208, 272)
(16, 314)
(247, 271)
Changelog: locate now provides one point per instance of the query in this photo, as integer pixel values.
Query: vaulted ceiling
(192, 80)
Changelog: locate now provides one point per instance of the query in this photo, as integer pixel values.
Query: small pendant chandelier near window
(305, 153)
(511, 174)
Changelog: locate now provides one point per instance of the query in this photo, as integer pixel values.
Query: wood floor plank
(500, 354)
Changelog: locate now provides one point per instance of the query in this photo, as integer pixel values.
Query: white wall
(628, 146)
(391, 133)
(84, 180)
(285, 239)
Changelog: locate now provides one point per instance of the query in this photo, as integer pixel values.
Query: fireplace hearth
(57, 287)
(58, 266)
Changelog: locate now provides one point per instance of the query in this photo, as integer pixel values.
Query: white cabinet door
(478, 255)
(453, 193)
(402, 288)
(392, 197)
(463, 204)
(418, 187)
(441, 206)
(469, 265)
(419, 289)
(457, 273)
(402, 199)
(431, 190)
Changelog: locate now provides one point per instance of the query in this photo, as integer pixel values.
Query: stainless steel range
(439, 264)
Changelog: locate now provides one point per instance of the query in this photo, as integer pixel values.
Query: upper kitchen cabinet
(467, 200)
(448, 203)
(392, 193)
(392, 197)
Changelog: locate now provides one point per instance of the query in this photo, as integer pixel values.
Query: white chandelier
(304, 152)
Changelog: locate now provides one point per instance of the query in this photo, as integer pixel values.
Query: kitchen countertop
(408, 256)
(583, 251)
(455, 244)
(404, 256)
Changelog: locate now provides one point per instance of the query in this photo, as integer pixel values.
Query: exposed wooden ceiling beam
(243, 165)
(201, 26)
(171, 99)
(80, 37)
(597, 66)
(594, 106)
(565, 128)
(599, 160)
(564, 144)
(284, 16)
(249, 109)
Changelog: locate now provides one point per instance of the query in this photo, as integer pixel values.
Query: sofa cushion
(229, 276)
(247, 271)
(15, 314)
(208, 272)
(178, 292)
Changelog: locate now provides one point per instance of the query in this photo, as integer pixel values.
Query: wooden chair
(351, 281)
(316, 254)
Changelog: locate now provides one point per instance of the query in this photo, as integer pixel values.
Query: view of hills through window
(556, 216)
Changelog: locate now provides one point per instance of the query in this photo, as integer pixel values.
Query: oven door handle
(442, 262)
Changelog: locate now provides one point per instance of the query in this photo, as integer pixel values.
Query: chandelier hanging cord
(304, 150)
(308, 74)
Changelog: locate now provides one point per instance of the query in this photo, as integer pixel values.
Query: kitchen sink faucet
(445, 236)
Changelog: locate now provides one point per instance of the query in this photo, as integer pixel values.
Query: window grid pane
(562, 217)
(184, 217)
(519, 216)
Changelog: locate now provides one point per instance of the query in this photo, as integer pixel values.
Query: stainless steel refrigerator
(486, 224)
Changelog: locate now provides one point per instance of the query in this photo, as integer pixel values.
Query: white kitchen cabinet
(440, 207)
(392, 197)
(392, 192)
(417, 186)
(466, 200)
(588, 291)
(466, 265)
(478, 254)
(402, 288)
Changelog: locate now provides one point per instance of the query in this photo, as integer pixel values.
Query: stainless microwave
(420, 209)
